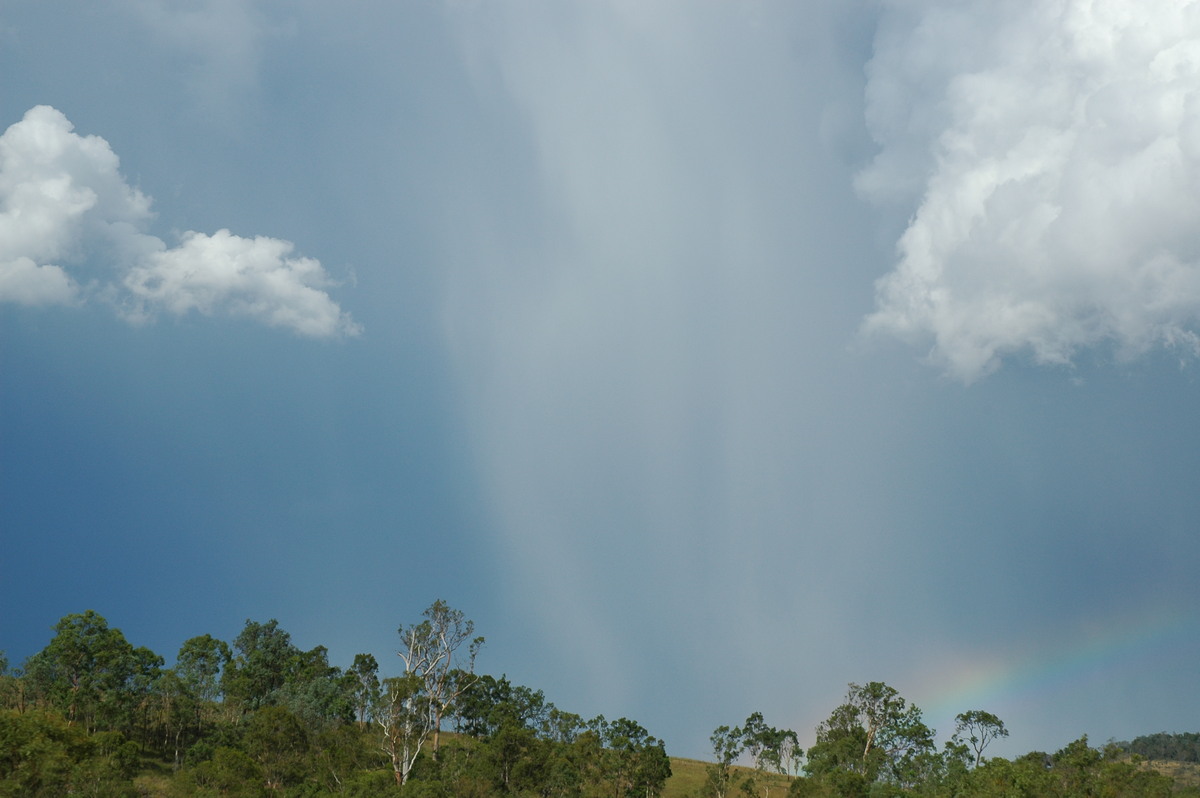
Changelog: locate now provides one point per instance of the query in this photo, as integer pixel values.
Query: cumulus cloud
(66, 213)
(248, 276)
(56, 189)
(1052, 151)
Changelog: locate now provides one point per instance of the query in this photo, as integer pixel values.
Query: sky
(709, 355)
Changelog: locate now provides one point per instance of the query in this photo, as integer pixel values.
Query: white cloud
(251, 277)
(26, 283)
(1055, 148)
(56, 188)
(64, 203)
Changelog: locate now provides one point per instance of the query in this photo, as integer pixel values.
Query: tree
(428, 652)
(403, 718)
(260, 668)
(316, 691)
(92, 674)
(643, 760)
(629, 762)
(840, 742)
(174, 713)
(875, 735)
(489, 704)
(774, 750)
(199, 666)
(977, 729)
(12, 686)
(893, 728)
(1076, 771)
(230, 772)
(363, 679)
(561, 726)
(278, 742)
(728, 745)
(41, 754)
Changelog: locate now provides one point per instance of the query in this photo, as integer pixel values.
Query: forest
(92, 715)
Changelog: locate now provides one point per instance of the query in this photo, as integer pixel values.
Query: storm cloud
(1053, 153)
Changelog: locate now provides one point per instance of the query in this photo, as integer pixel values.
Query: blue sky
(709, 355)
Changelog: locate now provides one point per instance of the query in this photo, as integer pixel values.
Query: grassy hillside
(688, 777)
(1185, 774)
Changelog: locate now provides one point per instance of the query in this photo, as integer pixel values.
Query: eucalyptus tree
(728, 744)
(362, 681)
(199, 666)
(315, 691)
(430, 651)
(874, 735)
(278, 742)
(260, 666)
(635, 762)
(92, 674)
(488, 704)
(772, 749)
(402, 715)
(977, 729)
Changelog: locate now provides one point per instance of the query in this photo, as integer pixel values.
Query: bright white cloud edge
(1060, 193)
(65, 208)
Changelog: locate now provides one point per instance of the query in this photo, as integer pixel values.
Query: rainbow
(1101, 650)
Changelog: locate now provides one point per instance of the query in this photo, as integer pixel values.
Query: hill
(688, 777)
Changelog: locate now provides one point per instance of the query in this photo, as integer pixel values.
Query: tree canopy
(91, 714)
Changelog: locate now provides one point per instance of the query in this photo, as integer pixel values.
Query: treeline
(877, 744)
(92, 715)
(1174, 747)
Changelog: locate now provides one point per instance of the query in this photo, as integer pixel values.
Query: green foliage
(361, 686)
(91, 674)
(975, 730)
(230, 772)
(728, 745)
(1175, 747)
(428, 649)
(199, 665)
(278, 743)
(12, 686)
(873, 738)
(260, 667)
(91, 714)
(41, 754)
(1076, 771)
(488, 704)
(403, 717)
(774, 750)
(268, 671)
(632, 762)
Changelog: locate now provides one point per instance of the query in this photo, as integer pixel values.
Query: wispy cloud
(219, 44)
(1055, 149)
(66, 212)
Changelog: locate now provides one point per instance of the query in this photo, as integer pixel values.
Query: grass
(688, 777)
(1185, 774)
